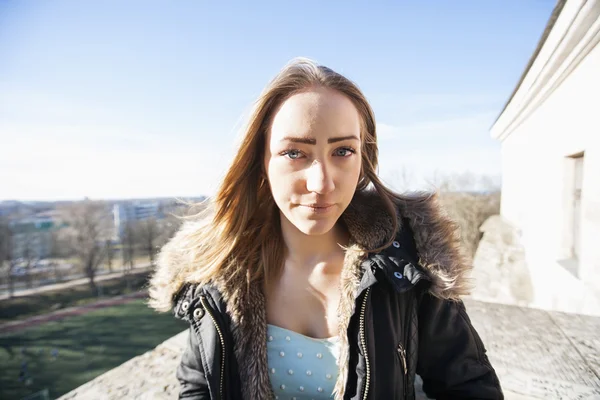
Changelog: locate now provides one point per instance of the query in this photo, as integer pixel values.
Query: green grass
(28, 306)
(88, 345)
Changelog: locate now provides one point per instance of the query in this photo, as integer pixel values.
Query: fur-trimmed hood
(437, 245)
(436, 238)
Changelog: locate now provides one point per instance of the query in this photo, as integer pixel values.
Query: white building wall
(535, 178)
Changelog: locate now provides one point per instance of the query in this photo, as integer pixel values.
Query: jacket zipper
(402, 354)
(402, 350)
(363, 341)
(221, 339)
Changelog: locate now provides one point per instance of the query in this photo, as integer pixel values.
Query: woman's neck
(310, 250)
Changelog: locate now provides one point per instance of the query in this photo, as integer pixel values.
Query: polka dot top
(301, 367)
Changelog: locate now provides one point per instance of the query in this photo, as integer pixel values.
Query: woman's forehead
(320, 113)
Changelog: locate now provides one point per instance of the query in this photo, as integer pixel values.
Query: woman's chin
(315, 227)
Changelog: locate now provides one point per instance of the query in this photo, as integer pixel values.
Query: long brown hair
(240, 225)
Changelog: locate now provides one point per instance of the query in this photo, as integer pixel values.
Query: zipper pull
(402, 353)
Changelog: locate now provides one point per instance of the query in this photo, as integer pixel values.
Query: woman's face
(313, 158)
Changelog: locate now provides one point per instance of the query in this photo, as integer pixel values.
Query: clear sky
(129, 99)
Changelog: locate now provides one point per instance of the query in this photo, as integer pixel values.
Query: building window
(576, 196)
(572, 212)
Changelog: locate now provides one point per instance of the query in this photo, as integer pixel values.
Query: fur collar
(437, 245)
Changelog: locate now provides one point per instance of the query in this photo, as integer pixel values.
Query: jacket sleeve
(452, 360)
(190, 372)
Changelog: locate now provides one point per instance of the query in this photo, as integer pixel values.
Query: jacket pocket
(401, 351)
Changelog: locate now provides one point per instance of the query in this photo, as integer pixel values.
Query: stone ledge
(149, 376)
(537, 355)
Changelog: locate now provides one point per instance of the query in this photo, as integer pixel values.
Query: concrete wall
(536, 186)
(536, 354)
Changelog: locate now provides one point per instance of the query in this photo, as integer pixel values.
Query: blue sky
(129, 99)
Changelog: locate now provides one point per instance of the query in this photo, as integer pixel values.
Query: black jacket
(401, 318)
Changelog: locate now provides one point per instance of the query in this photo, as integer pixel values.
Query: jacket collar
(423, 227)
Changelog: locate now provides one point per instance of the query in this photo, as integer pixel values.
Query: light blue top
(301, 367)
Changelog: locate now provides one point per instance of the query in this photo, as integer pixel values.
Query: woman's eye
(344, 151)
(292, 154)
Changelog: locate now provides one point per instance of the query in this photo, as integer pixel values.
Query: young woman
(306, 278)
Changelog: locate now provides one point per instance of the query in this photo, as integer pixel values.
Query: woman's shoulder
(192, 296)
(435, 236)
(176, 266)
(438, 244)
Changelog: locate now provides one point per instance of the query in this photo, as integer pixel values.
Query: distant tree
(128, 241)
(5, 240)
(28, 253)
(469, 199)
(168, 226)
(464, 182)
(147, 234)
(110, 254)
(401, 180)
(6, 253)
(56, 253)
(88, 226)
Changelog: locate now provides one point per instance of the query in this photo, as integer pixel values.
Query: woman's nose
(318, 179)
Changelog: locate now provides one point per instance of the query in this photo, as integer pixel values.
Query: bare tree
(440, 182)
(59, 250)
(128, 241)
(464, 182)
(147, 232)
(28, 253)
(88, 226)
(167, 228)
(110, 254)
(469, 199)
(6, 253)
(5, 240)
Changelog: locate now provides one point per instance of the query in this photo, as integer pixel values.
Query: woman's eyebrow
(341, 138)
(311, 140)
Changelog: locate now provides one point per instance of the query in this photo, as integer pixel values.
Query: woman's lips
(318, 208)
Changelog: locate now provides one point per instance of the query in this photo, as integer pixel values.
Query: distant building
(138, 210)
(550, 134)
(32, 235)
(133, 211)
